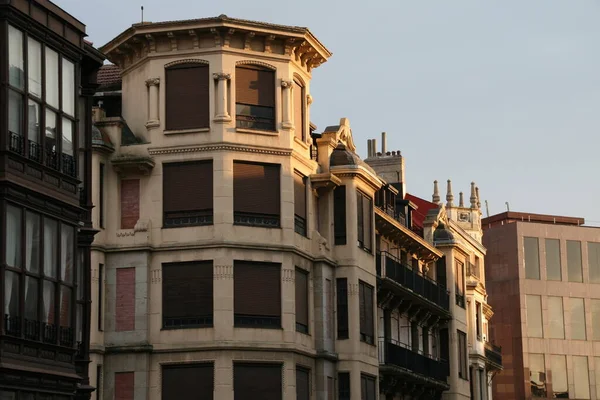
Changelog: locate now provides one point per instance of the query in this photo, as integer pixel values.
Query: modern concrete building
(47, 80)
(543, 278)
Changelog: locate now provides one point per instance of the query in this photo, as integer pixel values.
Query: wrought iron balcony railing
(394, 353)
(493, 353)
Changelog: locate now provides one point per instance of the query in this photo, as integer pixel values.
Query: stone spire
(436, 193)
(473, 197)
(461, 201)
(449, 195)
(478, 198)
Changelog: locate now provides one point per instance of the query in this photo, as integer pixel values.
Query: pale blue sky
(503, 92)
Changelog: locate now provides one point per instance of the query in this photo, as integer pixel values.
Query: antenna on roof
(142, 14)
(507, 206)
(487, 209)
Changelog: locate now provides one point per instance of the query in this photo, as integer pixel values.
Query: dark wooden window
(187, 294)
(368, 387)
(367, 329)
(299, 203)
(299, 96)
(188, 381)
(41, 123)
(130, 203)
(99, 382)
(39, 277)
(101, 197)
(440, 275)
(187, 96)
(255, 97)
(344, 386)
(100, 296)
(478, 319)
(256, 194)
(301, 300)
(462, 355)
(342, 308)
(253, 381)
(459, 283)
(188, 193)
(339, 215)
(364, 213)
(257, 294)
(302, 383)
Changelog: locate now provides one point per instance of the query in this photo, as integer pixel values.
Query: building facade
(543, 275)
(47, 81)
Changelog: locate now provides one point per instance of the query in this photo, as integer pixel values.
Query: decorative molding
(194, 37)
(353, 289)
(218, 147)
(151, 43)
(227, 38)
(254, 62)
(156, 276)
(223, 272)
(125, 233)
(287, 84)
(221, 76)
(248, 40)
(309, 99)
(268, 41)
(173, 40)
(288, 275)
(217, 36)
(152, 124)
(152, 82)
(187, 61)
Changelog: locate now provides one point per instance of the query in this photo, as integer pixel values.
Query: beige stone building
(242, 255)
(543, 275)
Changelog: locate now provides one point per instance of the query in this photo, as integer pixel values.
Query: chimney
(383, 143)
(461, 201)
(369, 143)
(436, 193)
(449, 195)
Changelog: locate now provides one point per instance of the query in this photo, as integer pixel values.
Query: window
(100, 297)
(101, 197)
(188, 194)
(581, 375)
(459, 283)
(302, 384)
(574, 261)
(99, 382)
(331, 388)
(253, 381)
(462, 355)
(534, 316)
(537, 375)
(532, 257)
(367, 387)
(482, 385)
(124, 385)
(130, 203)
(342, 308)
(556, 325)
(43, 280)
(594, 261)
(560, 386)
(553, 267)
(364, 212)
(125, 300)
(577, 319)
(256, 194)
(187, 96)
(299, 107)
(329, 322)
(301, 301)
(187, 294)
(339, 215)
(300, 203)
(595, 320)
(344, 386)
(478, 319)
(29, 106)
(257, 294)
(255, 97)
(367, 329)
(187, 381)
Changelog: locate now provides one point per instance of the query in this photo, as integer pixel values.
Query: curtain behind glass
(52, 78)
(66, 253)
(34, 67)
(15, 58)
(50, 247)
(13, 236)
(32, 236)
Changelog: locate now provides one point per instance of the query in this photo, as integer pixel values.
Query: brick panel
(130, 203)
(124, 383)
(125, 302)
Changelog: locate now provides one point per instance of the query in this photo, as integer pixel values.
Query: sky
(505, 93)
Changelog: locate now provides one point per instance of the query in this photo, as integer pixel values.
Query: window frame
(366, 313)
(368, 387)
(262, 321)
(100, 297)
(242, 118)
(459, 284)
(463, 370)
(301, 328)
(196, 125)
(264, 220)
(342, 323)
(300, 223)
(365, 242)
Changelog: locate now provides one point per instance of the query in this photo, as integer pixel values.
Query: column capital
(152, 82)
(221, 76)
(286, 84)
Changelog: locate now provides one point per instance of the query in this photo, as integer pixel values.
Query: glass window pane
(532, 257)
(52, 78)
(8, 395)
(577, 319)
(553, 271)
(537, 374)
(595, 320)
(574, 261)
(556, 325)
(50, 247)
(34, 67)
(33, 123)
(50, 141)
(31, 298)
(15, 58)
(68, 87)
(15, 112)
(13, 237)
(48, 300)
(67, 136)
(594, 261)
(11, 294)
(66, 298)
(32, 237)
(581, 375)
(560, 385)
(67, 239)
(534, 316)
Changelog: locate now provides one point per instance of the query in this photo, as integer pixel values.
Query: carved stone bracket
(173, 40)
(152, 82)
(286, 84)
(151, 43)
(221, 76)
(194, 37)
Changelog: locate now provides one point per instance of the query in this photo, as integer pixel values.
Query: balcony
(493, 355)
(413, 285)
(401, 360)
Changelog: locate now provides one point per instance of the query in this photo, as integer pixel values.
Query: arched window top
(255, 64)
(299, 80)
(188, 62)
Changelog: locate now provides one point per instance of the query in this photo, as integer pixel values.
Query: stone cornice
(219, 147)
(360, 172)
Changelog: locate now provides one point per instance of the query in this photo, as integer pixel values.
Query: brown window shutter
(190, 378)
(255, 86)
(367, 213)
(252, 381)
(130, 203)
(256, 188)
(188, 187)
(302, 384)
(187, 291)
(360, 223)
(367, 327)
(299, 195)
(339, 215)
(302, 298)
(257, 289)
(299, 109)
(187, 96)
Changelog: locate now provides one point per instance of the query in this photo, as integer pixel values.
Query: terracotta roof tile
(109, 77)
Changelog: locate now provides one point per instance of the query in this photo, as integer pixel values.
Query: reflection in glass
(66, 297)
(558, 366)
(67, 136)
(50, 247)
(68, 87)
(574, 261)
(537, 375)
(31, 298)
(594, 261)
(13, 237)
(33, 125)
(532, 257)
(15, 58)
(577, 319)
(15, 112)
(580, 374)
(11, 295)
(67, 239)
(48, 300)
(50, 142)
(534, 316)
(52, 78)
(556, 325)
(34, 67)
(32, 237)
(553, 271)
(595, 304)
